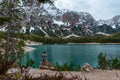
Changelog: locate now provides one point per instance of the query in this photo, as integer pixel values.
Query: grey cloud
(100, 9)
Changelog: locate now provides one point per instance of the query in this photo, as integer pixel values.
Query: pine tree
(11, 16)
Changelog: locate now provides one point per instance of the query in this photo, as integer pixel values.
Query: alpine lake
(77, 54)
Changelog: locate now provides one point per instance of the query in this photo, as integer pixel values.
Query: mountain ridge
(47, 20)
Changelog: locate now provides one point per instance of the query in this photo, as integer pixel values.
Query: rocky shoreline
(96, 74)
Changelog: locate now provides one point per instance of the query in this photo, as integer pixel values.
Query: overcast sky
(99, 9)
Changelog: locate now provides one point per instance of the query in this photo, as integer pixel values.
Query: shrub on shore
(66, 67)
(108, 63)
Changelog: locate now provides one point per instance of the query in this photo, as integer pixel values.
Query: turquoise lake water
(77, 54)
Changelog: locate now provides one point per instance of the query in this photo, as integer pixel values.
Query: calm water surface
(77, 54)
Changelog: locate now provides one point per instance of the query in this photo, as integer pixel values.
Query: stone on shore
(87, 67)
(46, 65)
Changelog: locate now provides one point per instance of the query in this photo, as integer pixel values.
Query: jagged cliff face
(110, 25)
(47, 20)
(116, 22)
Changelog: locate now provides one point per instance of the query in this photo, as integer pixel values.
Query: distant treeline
(52, 40)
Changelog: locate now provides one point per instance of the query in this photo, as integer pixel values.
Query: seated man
(44, 56)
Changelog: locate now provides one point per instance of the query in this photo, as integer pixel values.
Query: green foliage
(10, 18)
(3, 20)
(105, 63)
(46, 1)
(30, 63)
(57, 67)
(102, 61)
(78, 68)
(5, 65)
(115, 63)
(59, 40)
(2, 69)
(70, 67)
(66, 67)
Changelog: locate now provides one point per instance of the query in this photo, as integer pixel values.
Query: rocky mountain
(113, 24)
(47, 20)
